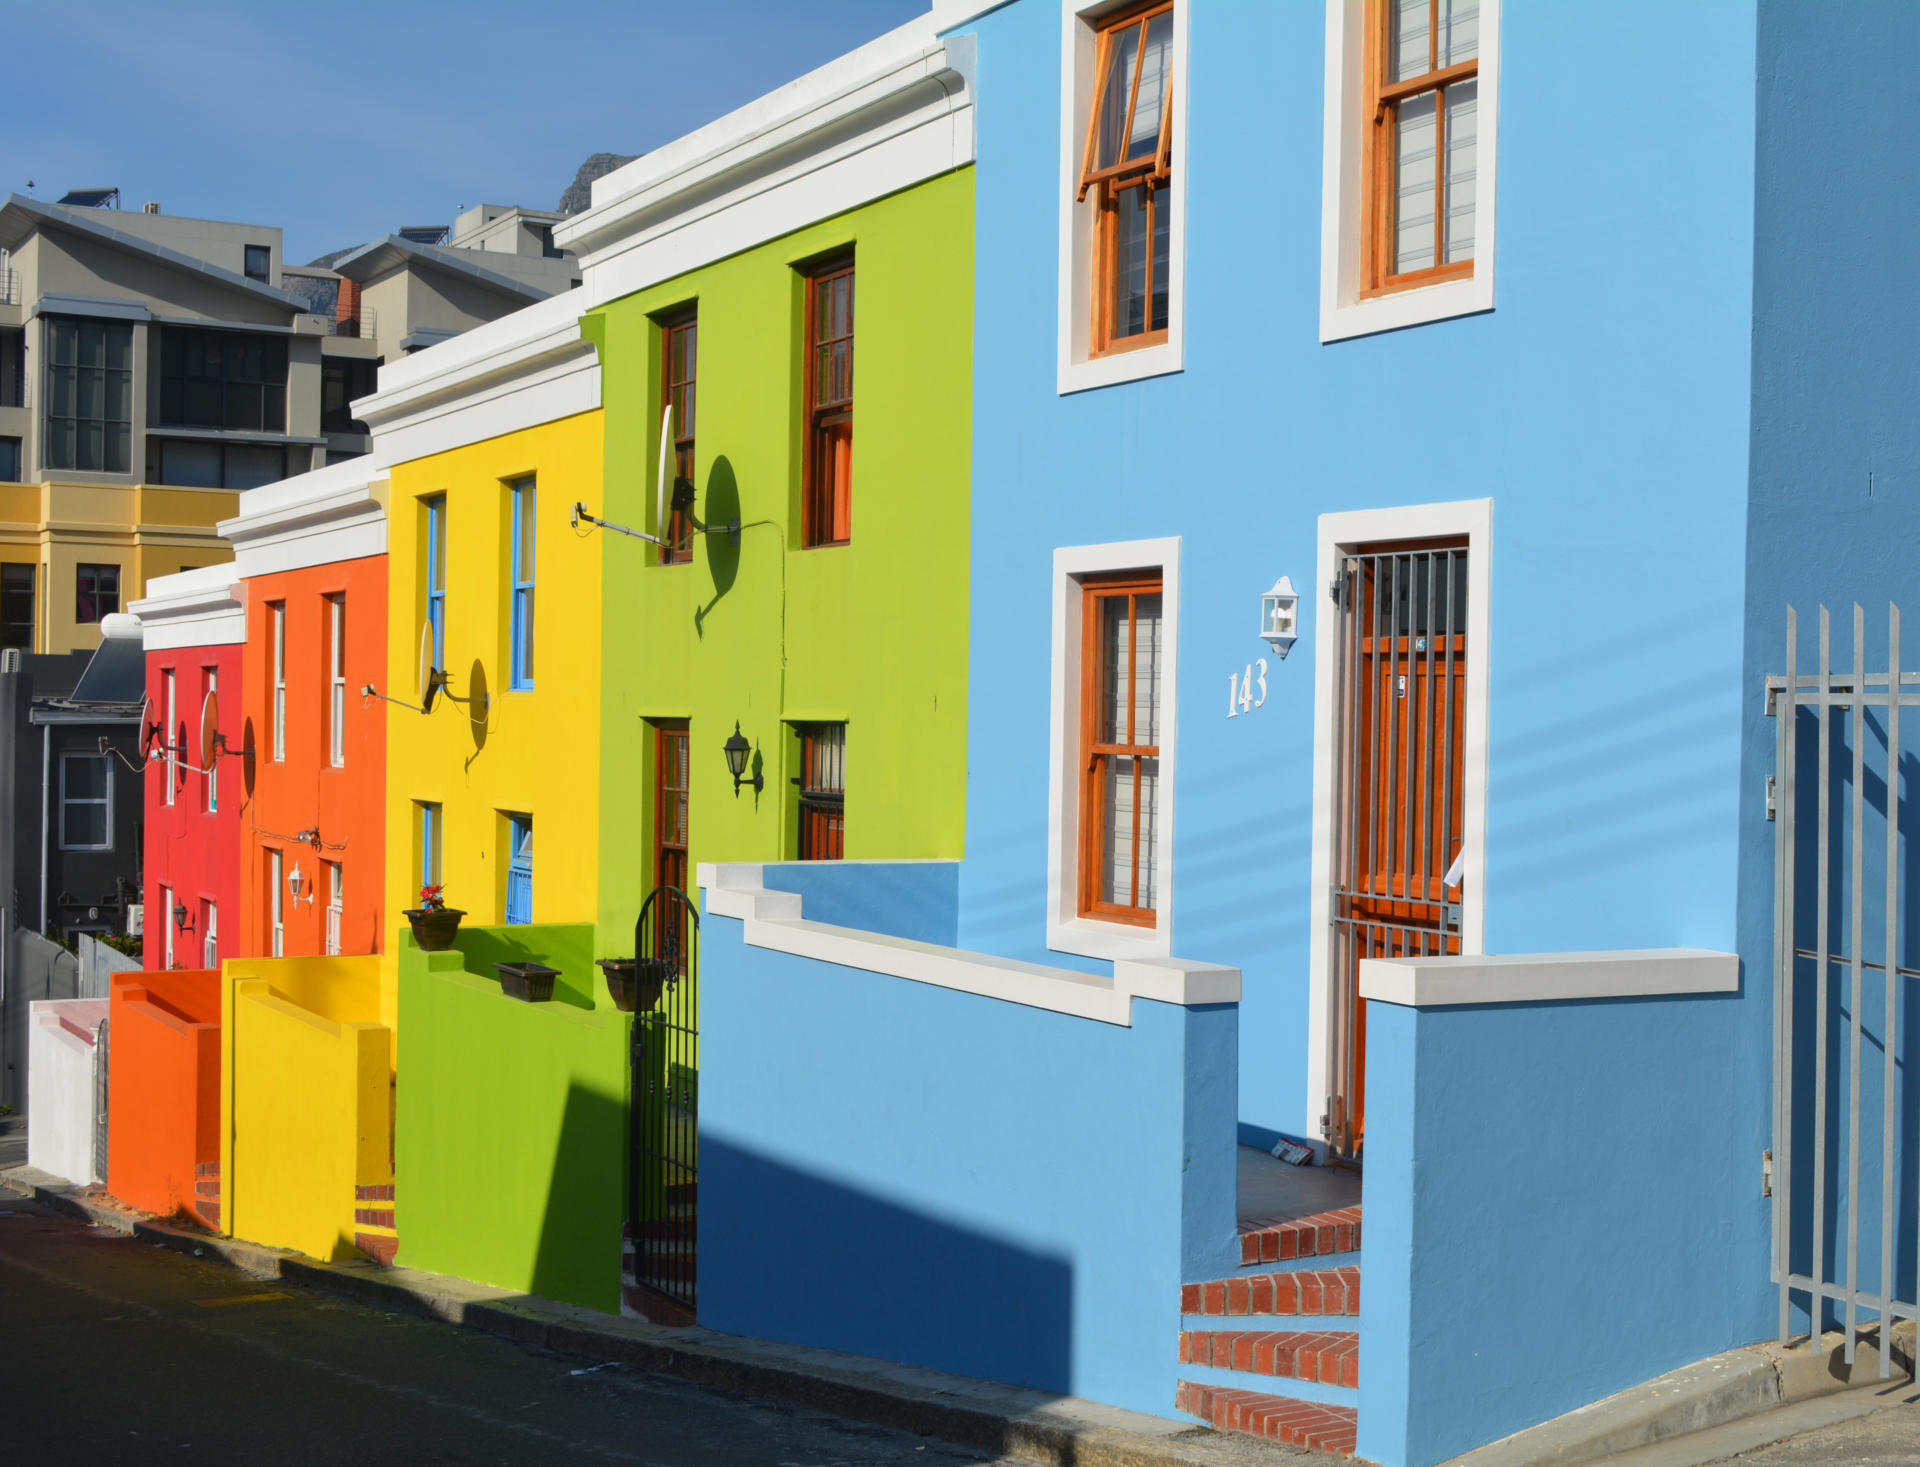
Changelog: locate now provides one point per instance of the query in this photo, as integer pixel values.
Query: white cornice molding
(206, 607)
(311, 519)
(895, 112)
(773, 920)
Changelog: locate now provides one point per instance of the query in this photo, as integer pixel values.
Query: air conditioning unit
(152, 206)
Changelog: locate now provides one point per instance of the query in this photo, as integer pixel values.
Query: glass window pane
(1115, 93)
(1115, 652)
(1407, 54)
(1147, 894)
(251, 465)
(1414, 143)
(93, 450)
(93, 344)
(528, 514)
(195, 465)
(119, 404)
(1147, 661)
(60, 391)
(92, 394)
(86, 779)
(1143, 138)
(1459, 38)
(120, 347)
(61, 449)
(1462, 101)
(1116, 865)
(1162, 243)
(62, 338)
(119, 448)
(1130, 244)
(84, 825)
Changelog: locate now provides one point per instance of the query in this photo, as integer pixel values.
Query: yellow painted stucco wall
(537, 751)
(306, 1099)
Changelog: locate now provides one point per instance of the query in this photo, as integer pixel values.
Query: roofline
(71, 219)
(429, 255)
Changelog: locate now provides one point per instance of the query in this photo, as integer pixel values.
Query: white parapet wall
(63, 1056)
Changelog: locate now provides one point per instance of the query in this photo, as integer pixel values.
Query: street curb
(1006, 1420)
(1708, 1393)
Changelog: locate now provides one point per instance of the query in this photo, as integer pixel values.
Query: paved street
(1888, 1438)
(117, 1351)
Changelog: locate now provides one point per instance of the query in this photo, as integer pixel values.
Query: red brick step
(1279, 1418)
(1289, 1292)
(1316, 1236)
(1331, 1357)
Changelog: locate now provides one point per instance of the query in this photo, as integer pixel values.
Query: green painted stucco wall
(872, 633)
(511, 1118)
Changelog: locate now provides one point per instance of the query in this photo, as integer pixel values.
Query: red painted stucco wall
(193, 854)
(301, 804)
(163, 1072)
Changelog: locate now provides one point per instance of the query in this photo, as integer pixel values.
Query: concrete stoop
(1007, 1420)
(1699, 1398)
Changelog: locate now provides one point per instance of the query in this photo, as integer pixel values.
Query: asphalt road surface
(1887, 1438)
(117, 1351)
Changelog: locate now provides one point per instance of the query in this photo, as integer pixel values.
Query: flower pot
(528, 982)
(635, 986)
(434, 931)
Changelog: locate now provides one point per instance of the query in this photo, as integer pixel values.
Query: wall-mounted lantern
(298, 883)
(1280, 617)
(737, 750)
(180, 916)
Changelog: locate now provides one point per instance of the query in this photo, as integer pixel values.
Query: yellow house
(489, 453)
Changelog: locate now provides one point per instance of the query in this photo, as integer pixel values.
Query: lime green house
(783, 307)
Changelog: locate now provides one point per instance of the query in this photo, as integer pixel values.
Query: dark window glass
(342, 381)
(259, 262)
(89, 395)
(16, 605)
(218, 465)
(9, 460)
(222, 379)
(823, 791)
(98, 592)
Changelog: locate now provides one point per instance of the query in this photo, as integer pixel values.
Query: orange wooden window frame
(1383, 100)
(823, 826)
(1153, 174)
(1095, 754)
(678, 390)
(826, 488)
(671, 755)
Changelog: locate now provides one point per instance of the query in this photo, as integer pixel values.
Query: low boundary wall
(165, 1076)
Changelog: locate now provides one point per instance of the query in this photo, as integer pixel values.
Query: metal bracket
(1766, 1173)
(1772, 808)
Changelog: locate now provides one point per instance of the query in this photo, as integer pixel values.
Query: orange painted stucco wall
(295, 789)
(163, 1071)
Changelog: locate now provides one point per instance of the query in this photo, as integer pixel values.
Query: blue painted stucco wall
(1835, 519)
(1603, 405)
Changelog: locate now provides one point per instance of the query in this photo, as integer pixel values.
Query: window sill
(1416, 306)
(1088, 938)
(1115, 367)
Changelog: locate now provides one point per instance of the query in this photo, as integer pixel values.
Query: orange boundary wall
(163, 1072)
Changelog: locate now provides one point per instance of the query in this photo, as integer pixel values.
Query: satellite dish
(210, 740)
(151, 734)
(427, 679)
(666, 442)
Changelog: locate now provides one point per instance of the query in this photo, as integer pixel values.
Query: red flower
(432, 898)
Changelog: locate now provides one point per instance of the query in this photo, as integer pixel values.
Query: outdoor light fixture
(180, 915)
(1280, 617)
(737, 749)
(296, 884)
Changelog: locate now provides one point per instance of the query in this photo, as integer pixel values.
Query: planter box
(434, 931)
(528, 982)
(635, 986)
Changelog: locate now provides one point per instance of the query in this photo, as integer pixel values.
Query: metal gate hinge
(1766, 1173)
(1770, 797)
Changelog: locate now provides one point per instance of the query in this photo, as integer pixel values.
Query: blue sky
(341, 122)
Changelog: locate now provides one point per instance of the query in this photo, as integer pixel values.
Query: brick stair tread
(1315, 1236)
(1278, 1418)
(1331, 1357)
(1306, 1291)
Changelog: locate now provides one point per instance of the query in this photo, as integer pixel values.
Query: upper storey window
(223, 379)
(679, 386)
(827, 507)
(1425, 109)
(89, 395)
(1125, 168)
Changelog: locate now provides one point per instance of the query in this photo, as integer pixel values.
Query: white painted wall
(60, 1086)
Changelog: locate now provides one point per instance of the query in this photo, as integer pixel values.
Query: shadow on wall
(576, 1247)
(723, 556)
(777, 1246)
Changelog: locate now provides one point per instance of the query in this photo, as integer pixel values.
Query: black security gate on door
(665, 1130)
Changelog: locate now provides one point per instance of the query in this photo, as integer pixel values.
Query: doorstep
(1010, 1420)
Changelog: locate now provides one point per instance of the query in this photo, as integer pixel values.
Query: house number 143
(1240, 697)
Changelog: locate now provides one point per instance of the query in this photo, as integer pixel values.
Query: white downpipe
(46, 821)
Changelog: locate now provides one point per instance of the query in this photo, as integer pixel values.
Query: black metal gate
(665, 1129)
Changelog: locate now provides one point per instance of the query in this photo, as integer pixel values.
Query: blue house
(1400, 429)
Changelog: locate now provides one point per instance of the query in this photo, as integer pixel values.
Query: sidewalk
(1007, 1420)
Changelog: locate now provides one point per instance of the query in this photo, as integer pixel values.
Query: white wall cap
(773, 920)
(1424, 982)
(317, 518)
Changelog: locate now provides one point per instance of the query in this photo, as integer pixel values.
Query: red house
(195, 632)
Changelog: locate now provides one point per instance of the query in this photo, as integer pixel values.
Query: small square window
(97, 592)
(259, 262)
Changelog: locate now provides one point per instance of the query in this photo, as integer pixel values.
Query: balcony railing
(9, 286)
(363, 323)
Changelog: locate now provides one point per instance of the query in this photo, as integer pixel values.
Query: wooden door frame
(1471, 519)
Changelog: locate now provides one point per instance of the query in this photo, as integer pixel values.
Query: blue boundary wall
(1834, 520)
(898, 1169)
(1559, 1204)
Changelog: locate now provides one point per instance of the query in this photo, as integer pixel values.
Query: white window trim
(1472, 518)
(337, 680)
(1078, 368)
(336, 905)
(1343, 313)
(277, 909)
(278, 616)
(1067, 930)
(107, 803)
(213, 768)
(166, 925)
(172, 700)
(210, 941)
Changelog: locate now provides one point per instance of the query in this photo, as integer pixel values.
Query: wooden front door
(1400, 717)
(672, 778)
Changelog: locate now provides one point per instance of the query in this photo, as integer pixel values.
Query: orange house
(163, 1071)
(313, 552)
